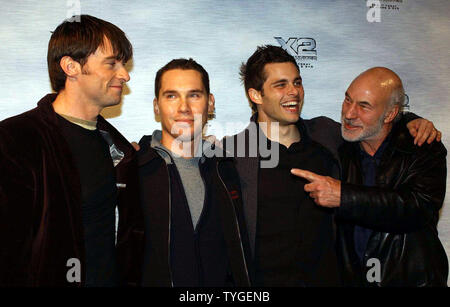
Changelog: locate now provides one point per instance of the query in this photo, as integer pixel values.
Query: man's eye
(364, 106)
(298, 83)
(280, 85)
(170, 96)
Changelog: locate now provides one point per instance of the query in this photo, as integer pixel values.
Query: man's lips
(118, 87)
(350, 126)
(291, 106)
(184, 120)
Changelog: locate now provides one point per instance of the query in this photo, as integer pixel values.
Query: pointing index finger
(310, 176)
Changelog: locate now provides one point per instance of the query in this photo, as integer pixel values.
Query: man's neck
(184, 149)
(69, 104)
(371, 146)
(283, 134)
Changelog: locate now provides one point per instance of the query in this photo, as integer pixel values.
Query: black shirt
(294, 236)
(369, 165)
(99, 197)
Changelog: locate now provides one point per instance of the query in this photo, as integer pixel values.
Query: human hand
(325, 191)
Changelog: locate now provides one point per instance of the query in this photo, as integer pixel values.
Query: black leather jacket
(403, 211)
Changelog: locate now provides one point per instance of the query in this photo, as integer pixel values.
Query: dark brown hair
(253, 74)
(79, 39)
(184, 64)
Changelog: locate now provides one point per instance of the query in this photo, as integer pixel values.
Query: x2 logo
(301, 48)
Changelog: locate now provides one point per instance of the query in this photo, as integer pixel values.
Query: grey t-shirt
(193, 185)
(189, 171)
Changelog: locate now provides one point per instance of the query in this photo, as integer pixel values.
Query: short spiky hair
(79, 40)
(184, 64)
(253, 74)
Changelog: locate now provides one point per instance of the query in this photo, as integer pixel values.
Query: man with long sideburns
(64, 169)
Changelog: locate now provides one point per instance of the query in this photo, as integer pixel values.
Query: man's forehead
(185, 78)
(366, 89)
(105, 49)
(181, 76)
(284, 68)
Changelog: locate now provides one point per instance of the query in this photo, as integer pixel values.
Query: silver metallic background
(414, 41)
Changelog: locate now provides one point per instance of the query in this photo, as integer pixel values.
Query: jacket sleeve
(16, 185)
(407, 207)
(409, 116)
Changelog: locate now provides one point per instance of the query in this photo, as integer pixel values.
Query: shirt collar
(379, 151)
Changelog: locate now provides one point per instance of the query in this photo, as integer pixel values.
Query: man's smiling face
(281, 98)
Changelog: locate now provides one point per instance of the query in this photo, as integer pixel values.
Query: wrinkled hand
(325, 191)
(423, 130)
(135, 146)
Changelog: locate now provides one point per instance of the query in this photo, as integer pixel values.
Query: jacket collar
(151, 148)
(45, 109)
(49, 117)
(300, 126)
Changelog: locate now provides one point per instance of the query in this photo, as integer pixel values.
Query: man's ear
(155, 106)
(156, 110)
(390, 116)
(70, 67)
(211, 104)
(211, 107)
(255, 95)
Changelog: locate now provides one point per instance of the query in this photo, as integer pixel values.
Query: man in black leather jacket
(391, 191)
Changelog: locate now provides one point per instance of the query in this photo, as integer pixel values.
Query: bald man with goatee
(388, 201)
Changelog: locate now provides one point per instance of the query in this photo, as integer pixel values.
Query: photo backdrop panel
(333, 41)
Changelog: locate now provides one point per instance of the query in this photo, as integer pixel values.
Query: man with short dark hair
(64, 169)
(195, 233)
(391, 192)
(292, 239)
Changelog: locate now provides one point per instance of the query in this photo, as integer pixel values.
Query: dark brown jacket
(40, 203)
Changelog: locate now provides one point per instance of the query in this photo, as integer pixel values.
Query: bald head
(386, 83)
(372, 102)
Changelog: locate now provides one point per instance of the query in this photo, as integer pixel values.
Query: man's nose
(184, 106)
(349, 110)
(293, 90)
(123, 74)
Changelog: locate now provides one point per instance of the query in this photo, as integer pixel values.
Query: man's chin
(112, 102)
(351, 137)
(187, 136)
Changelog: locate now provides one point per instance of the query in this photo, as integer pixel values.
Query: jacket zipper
(196, 234)
(237, 222)
(170, 220)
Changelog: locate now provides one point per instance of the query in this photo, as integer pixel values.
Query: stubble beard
(366, 133)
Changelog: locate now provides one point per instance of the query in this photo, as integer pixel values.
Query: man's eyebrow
(286, 80)
(280, 81)
(196, 91)
(169, 92)
(112, 57)
(366, 103)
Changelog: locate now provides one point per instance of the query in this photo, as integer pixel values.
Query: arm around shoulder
(409, 202)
